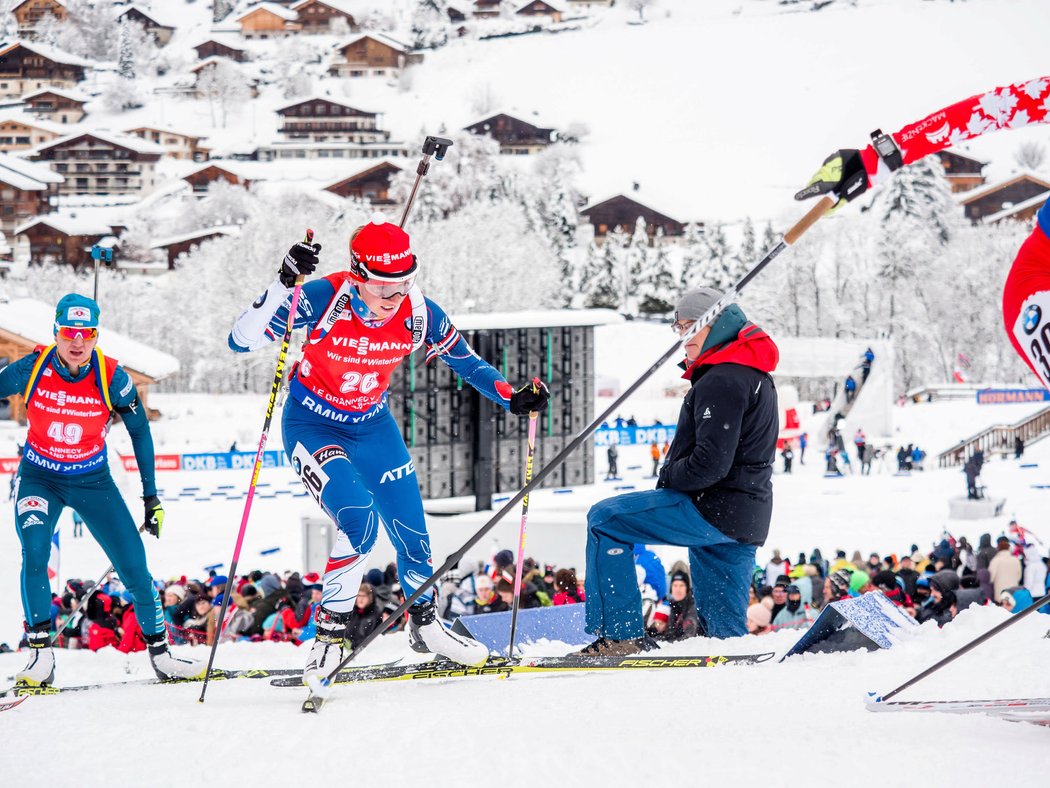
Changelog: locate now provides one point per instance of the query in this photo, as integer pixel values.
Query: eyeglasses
(389, 290)
(681, 326)
(72, 333)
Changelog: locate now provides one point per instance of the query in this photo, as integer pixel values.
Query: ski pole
(319, 687)
(278, 376)
(991, 633)
(432, 146)
(533, 418)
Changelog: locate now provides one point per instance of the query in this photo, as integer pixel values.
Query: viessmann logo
(61, 398)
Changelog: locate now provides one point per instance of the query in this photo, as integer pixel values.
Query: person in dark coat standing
(365, 616)
(675, 617)
(714, 494)
(985, 551)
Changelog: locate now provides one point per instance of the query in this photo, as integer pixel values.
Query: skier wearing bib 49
(1026, 294)
(339, 434)
(71, 391)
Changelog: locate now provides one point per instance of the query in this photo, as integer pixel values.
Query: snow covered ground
(583, 728)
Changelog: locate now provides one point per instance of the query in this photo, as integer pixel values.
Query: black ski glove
(533, 396)
(843, 173)
(301, 260)
(154, 516)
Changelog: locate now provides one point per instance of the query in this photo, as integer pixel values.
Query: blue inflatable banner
(1009, 396)
(633, 436)
(229, 461)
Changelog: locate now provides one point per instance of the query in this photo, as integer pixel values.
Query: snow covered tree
(604, 283)
(125, 59)
(721, 267)
(747, 254)
(223, 85)
(429, 26)
(635, 264)
(693, 256)
(640, 6)
(220, 9)
(658, 293)
(1030, 155)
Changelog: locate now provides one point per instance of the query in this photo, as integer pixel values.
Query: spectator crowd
(933, 586)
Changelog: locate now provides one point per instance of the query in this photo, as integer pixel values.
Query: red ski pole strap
(1011, 107)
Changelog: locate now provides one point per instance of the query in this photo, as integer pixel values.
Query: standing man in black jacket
(714, 494)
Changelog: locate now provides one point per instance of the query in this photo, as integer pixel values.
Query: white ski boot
(426, 634)
(41, 668)
(328, 649)
(166, 665)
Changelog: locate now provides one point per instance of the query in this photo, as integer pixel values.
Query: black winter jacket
(725, 442)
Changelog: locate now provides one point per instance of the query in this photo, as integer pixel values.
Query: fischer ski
(216, 675)
(500, 666)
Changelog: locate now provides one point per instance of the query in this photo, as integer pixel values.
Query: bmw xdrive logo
(1032, 316)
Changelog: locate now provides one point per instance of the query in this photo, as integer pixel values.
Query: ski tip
(312, 705)
(874, 697)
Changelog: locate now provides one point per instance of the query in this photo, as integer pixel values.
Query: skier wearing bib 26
(71, 390)
(339, 434)
(1026, 295)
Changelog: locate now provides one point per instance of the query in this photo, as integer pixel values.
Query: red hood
(751, 348)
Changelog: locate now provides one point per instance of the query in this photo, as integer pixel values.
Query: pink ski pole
(533, 419)
(278, 376)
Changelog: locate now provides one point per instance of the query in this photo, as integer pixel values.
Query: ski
(1032, 710)
(499, 666)
(216, 675)
(10, 704)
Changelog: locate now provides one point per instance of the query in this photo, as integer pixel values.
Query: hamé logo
(707, 414)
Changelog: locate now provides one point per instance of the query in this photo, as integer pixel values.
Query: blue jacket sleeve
(445, 341)
(14, 377)
(125, 399)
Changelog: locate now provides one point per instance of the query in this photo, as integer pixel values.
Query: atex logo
(395, 474)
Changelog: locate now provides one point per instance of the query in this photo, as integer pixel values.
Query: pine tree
(220, 9)
(694, 257)
(658, 291)
(430, 24)
(747, 254)
(635, 263)
(604, 280)
(560, 221)
(125, 56)
(721, 264)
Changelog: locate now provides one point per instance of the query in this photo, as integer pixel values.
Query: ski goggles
(73, 333)
(388, 289)
(681, 326)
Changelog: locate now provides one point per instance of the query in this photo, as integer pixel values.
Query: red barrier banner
(161, 462)
(8, 464)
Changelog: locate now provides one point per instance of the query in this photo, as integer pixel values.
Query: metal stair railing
(999, 438)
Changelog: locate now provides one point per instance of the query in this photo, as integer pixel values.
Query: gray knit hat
(695, 303)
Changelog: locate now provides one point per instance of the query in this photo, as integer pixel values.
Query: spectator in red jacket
(569, 591)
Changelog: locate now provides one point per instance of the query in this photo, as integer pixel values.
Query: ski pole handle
(811, 218)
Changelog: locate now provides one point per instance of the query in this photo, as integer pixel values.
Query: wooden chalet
(1024, 211)
(178, 145)
(19, 131)
(324, 16)
(324, 120)
(372, 55)
(65, 239)
(994, 198)
(186, 242)
(27, 67)
(267, 20)
(544, 9)
(160, 32)
(102, 163)
(26, 190)
(487, 8)
(29, 12)
(963, 172)
(514, 135)
(26, 323)
(457, 12)
(623, 211)
(56, 106)
(573, 5)
(200, 179)
(371, 185)
(295, 149)
(215, 48)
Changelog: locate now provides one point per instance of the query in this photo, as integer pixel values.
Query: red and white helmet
(381, 252)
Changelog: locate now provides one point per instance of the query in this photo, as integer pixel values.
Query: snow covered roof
(329, 99)
(635, 196)
(965, 198)
(72, 95)
(51, 53)
(1006, 213)
(273, 8)
(338, 5)
(554, 5)
(19, 5)
(11, 115)
(35, 321)
(476, 321)
(26, 175)
(69, 224)
(382, 38)
(365, 165)
(203, 232)
(231, 40)
(128, 141)
(163, 130)
(157, 19)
